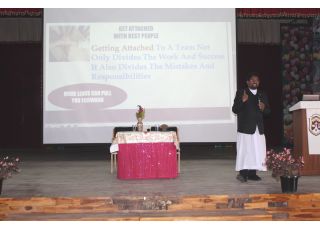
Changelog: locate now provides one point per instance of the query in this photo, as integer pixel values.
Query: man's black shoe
(254, 177)
(241, 178)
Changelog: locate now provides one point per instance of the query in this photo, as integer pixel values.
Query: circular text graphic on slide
(87, 96)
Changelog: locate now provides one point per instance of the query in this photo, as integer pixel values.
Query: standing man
(250, 105)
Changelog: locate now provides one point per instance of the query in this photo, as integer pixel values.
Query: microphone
(259, 99)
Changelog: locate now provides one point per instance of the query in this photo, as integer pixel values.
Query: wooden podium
(300, 136)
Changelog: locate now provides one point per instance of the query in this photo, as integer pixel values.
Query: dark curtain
(265, 59)
(21, 100)
(277, 12)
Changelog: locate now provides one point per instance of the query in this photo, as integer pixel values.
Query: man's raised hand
(244, 96)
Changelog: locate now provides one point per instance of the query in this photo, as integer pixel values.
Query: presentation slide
(100, 64)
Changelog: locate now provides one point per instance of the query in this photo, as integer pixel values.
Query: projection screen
(99, 64)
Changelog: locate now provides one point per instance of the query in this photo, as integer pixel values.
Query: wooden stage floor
(93, 178)
(77, 184)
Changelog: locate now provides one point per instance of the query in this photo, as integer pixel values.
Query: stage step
(137, 208)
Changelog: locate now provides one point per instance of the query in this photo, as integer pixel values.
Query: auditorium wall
(21, 81)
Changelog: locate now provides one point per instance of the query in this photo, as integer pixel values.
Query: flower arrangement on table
(140, 113)
(8, 166)
(284, 163)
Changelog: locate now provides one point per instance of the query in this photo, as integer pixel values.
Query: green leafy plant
(141, 112)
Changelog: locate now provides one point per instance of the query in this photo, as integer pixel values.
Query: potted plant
(286, 166)
(8, 166)
(140, 116)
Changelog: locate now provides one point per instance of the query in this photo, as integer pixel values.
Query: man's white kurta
(251, 151)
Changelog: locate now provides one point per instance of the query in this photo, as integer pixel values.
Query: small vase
(140, 125)
(1, 181)
(289, 184)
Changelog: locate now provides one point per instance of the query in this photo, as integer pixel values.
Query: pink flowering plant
(141, 112)
(284, 163)
(8, 166)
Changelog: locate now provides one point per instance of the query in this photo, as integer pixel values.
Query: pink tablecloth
(147, 160)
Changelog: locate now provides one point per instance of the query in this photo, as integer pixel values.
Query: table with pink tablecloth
(147, 155)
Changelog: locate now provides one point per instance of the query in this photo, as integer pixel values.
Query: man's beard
(253, 87)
